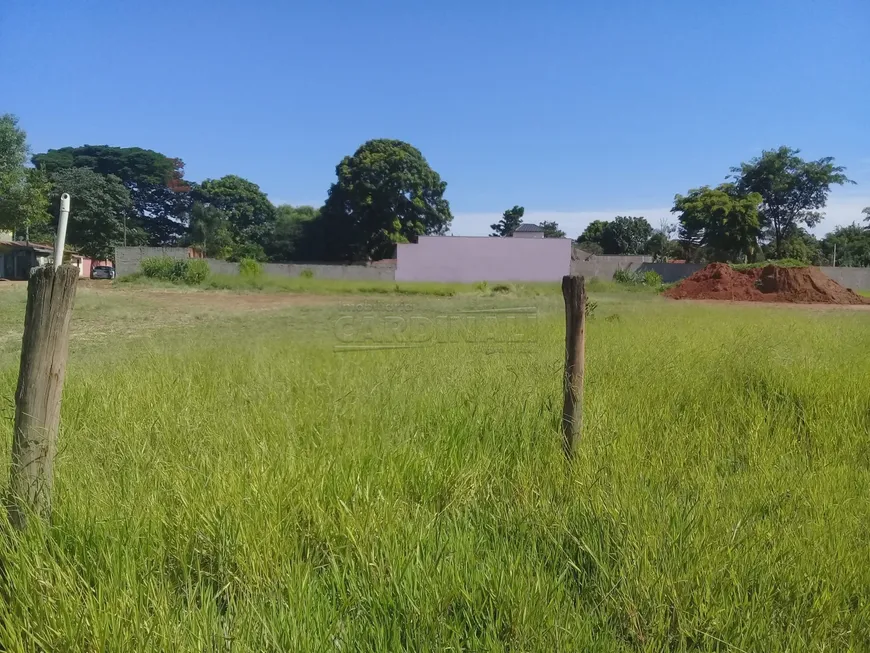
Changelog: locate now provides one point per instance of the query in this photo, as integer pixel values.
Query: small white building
(527, 230)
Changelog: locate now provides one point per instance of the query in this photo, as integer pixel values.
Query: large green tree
(590, 240)
(510, 220)
(866, 212)
(98, 208)
(385, 193)
(160, 195)
(660, 245)
(793, 191)
(594, 232)
(25, 209)
(551, 229)
(250, 214)
(287, 242)
(13, 152)
(801, 246)
(626, 235)
(210, 231)
(720, 219)
(847, 246)
(23, 190)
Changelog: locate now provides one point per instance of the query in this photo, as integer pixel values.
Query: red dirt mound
(768, 284)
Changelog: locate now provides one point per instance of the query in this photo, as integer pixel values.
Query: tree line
(386, 193)
(763, 211)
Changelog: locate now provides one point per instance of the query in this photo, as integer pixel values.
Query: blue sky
(575, 110)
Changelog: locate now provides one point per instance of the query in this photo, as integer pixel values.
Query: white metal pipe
(60, 240)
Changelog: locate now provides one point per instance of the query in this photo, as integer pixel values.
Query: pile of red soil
(768, 284)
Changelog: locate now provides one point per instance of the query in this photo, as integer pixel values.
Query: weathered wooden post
(574, 293)
(50, 295)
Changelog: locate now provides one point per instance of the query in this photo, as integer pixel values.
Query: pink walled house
(18, 257)
(89, 264)
(467, 259)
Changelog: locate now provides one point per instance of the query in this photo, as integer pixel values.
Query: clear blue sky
(572, 109)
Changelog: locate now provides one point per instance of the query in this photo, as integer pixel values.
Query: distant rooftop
(525, 226)
(37, 247)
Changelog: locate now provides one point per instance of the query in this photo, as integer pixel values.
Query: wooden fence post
(574, 293)
(50, 296)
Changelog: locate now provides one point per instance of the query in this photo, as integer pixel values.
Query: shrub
(248, 267)
(196, 272)
(307, 273)
(501, 287)
(178, 271)
(482, 286)
(157, 267)
(190, 271)
(652, 279)
(247, 250)
(627, 277)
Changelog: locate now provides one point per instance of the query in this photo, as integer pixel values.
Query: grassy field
(230, 480)
(302, 285)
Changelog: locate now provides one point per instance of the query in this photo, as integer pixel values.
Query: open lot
(382, 471)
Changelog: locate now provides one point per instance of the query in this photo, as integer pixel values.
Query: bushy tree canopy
(626, 235)
(158, 191)
(591, 247)
(593, 232)
(288, 239)
(247, 209)
(13, 151)
(551, 230)
(510, 220)
(210, 231)
(721, 220)
(23, 190)
(851, 244)
(385, 193)
(792, 190)
(98, 207)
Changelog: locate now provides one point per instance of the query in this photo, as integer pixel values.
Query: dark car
(102, 272)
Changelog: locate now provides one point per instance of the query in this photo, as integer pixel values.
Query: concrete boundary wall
(592, 265)
(319, 270)
(469, 259)
(129, 259)
(455, 261)
(854, 278)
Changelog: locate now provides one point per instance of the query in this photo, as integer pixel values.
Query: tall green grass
(312, 285)
(241, 486)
